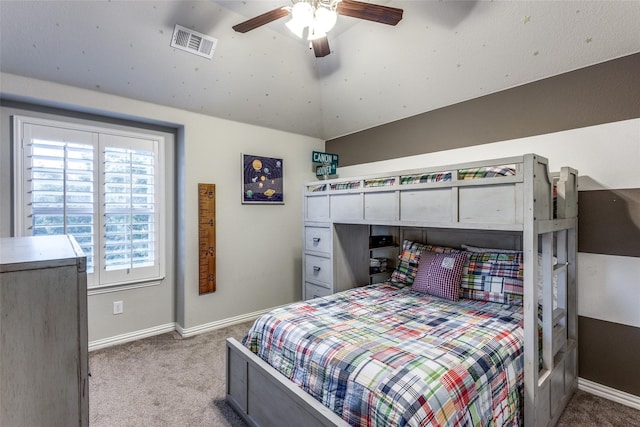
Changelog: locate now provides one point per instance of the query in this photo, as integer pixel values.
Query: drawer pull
(316, 240)
(316, 268)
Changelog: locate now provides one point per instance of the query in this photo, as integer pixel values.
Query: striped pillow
(440, 274)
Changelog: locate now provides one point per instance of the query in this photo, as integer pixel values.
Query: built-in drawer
(317, 239)
(346, 207)
(433, 203)
(317, 208)
(491, 204)
(315, 291)
(380, 206)
(317, 269)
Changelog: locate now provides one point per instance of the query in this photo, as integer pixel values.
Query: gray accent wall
(609, 354)
(609, 218)
(609, 222)
(602, 93)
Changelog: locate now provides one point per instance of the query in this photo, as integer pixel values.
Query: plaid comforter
(383, 355)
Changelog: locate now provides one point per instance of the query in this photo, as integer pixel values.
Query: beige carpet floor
(170, 381)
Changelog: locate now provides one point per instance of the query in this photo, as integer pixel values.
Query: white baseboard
(189, 332)
(609, 393)
(170, 327)
(131, 336)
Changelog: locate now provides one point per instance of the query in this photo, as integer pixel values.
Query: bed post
(571, 370)
(530, 250)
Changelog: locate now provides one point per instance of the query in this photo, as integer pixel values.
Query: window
(99, 185)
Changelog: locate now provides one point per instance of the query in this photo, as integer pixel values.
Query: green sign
(320, 157)
(329, 163)
(329, 169)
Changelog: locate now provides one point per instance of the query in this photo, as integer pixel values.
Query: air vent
(193, 42)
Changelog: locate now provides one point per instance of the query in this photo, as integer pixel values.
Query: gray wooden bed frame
(513, 212)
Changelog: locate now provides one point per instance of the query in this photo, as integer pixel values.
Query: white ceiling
(441, 53)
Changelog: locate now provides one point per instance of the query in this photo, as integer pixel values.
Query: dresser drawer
(317, 239)
(315, 291)
(318, 269)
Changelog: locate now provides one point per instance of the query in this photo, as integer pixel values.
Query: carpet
(164, 380)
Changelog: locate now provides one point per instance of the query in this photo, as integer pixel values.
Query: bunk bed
(509, 205)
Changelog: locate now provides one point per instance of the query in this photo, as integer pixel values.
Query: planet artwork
(262, 179)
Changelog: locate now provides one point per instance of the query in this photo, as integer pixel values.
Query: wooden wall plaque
(207, 238)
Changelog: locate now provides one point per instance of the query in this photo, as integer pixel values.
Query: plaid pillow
(439, 274)
(408, 260)
(493, 276)
(540, 280)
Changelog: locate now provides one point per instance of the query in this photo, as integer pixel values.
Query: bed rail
(452, 196)
(264, 397)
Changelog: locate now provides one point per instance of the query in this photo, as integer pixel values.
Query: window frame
(100, 279)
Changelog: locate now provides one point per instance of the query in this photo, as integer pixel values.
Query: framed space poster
(262, 180)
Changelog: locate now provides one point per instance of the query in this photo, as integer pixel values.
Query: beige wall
(258, 247)
(149, 307)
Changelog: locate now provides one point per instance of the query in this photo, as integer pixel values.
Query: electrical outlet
(118, 307)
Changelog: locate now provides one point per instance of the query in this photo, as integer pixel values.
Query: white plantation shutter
(59, 185)
(130, 238)
(101, 188)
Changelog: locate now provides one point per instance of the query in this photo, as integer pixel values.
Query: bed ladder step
(559, 338)
(559, 268)
(558, 315)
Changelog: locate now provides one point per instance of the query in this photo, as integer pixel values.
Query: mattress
(385, 355)
(463, 174)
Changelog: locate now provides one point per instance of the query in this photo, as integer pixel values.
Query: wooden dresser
(43, 332)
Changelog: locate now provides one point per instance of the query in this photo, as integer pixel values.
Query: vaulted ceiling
(441, 53)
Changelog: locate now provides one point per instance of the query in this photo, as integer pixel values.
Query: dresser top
(27, 253)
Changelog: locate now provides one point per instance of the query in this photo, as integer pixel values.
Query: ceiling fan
(317, 17)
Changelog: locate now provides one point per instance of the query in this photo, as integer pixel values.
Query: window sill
(125, 286)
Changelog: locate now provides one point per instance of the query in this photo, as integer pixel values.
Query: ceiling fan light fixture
(302, 13)
(295, 27)
(325, 19)
(319, 17)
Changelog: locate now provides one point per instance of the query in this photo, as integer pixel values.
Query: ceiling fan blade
(370, 12)
(321, 47)
(261, 20)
